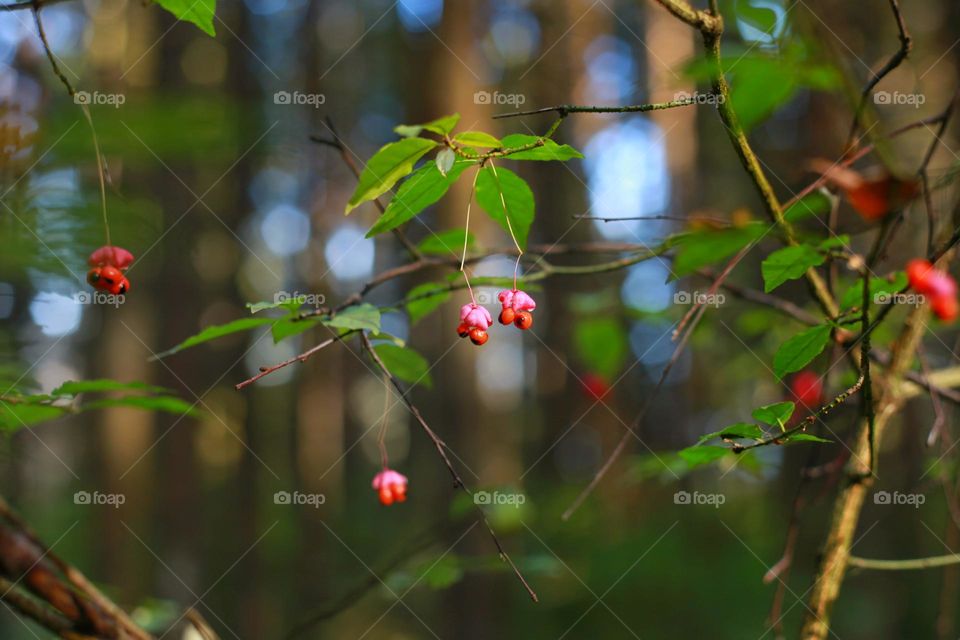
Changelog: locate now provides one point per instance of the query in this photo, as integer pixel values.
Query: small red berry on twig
(391, 486)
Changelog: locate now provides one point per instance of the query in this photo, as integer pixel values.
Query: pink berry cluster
(475, 320)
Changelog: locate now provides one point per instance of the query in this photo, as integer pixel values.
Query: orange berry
(945, 307)
(507, 316)
(463, 331)
(478, 336)
(524, 320)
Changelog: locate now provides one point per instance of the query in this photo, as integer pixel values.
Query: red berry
(93, 276)
(463, 330)
(919, 274)
(807, 389)
(523, 320)
(594, 386)
(945, 307)
(478, 336)
(507, 316)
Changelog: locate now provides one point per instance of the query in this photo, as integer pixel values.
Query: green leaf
(445, 159)
(17, 416)
(789, 263)
(477, 139)
(774, 414)
(504, 186)
(289, 326)
(881, 290)
(419, 191)
(361, 317)
(199, 12)
(601, 343)
(440, 126)
(214, 332)
(446, 242)
(758, 17)
(443, 573)
(549, 150)
(392, 162)
(701, 248)
(804, 437)
(835, 242)
(426, 298)
(289, 304)
(761, 85)
(405, 363)
(744, 430)
(168, 404)
(813, 204)
(699, 455)
(73, 388)
(798, 351)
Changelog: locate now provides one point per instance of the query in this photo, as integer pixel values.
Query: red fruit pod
(523, 320)
(807, 389)
(507, 316)
(93, 277)
(463, 330)
(919, 274)
(111, 256)
(945, 307)
(478, 336)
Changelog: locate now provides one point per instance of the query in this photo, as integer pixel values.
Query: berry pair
(475, 320)
(391, 486)
(938, 285)
(517, 307)
(108, 264)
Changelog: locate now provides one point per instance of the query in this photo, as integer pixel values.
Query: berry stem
(382, 436)
(513, 236)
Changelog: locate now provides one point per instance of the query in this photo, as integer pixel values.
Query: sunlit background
(217, 189)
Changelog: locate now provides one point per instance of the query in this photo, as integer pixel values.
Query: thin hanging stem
(83, 107)
(382, 436)
(466, 234)
(506, 216)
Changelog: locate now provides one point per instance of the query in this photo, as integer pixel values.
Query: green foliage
(499, 186)
(289, 304)
(424, 299)
(800, 436)
(405, 364)
(775, 414)
(388, 165)
(199, 12)
(18, 409)
(742, 430)
(441, 126)
(698, 249)
(477, 139)
(789, 263)
(214, 332)
(699, 455)
(361, 317)
(880, 288)
(813, 204)
(423, 188)
(798, 351)
(446, 242)
(601, 344)
(549, 150)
